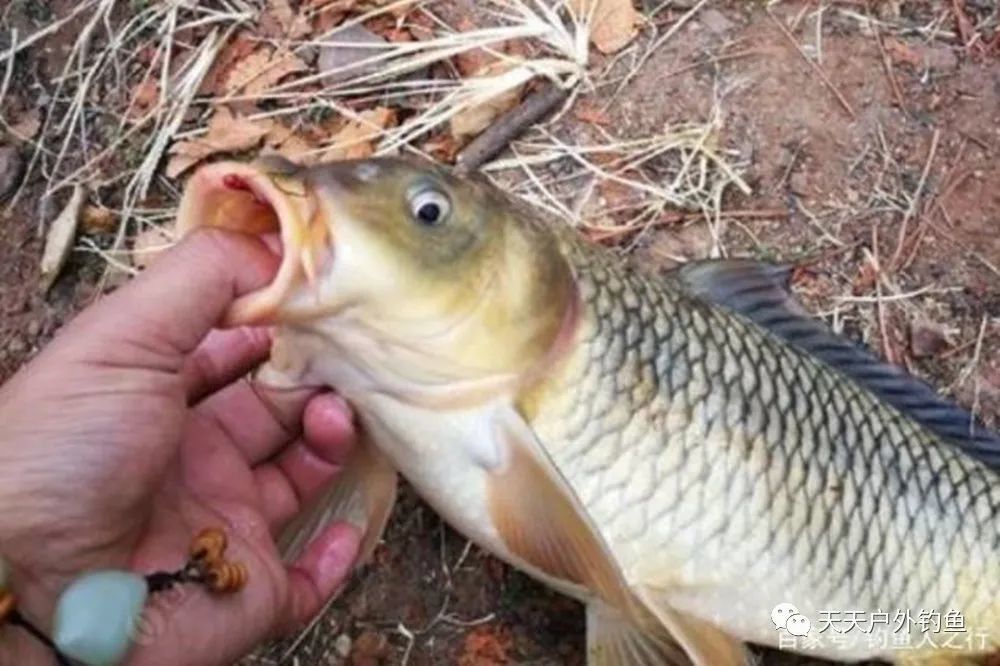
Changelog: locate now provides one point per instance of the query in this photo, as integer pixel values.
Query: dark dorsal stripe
(760, 293)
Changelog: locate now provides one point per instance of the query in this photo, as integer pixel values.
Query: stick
(599, 234)
(889, 71)
(819, 70)
(915, 203)
(508, 127)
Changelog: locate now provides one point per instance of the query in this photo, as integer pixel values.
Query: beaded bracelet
(97, 613)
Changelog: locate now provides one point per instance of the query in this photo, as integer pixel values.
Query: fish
(691, 455)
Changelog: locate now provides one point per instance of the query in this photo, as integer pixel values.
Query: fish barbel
(689, 455)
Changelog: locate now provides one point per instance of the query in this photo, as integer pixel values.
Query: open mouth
(249, 199)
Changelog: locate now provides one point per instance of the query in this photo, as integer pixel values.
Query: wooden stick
(508, 127)
(598, 233)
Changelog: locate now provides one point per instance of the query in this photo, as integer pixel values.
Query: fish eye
(429, 207)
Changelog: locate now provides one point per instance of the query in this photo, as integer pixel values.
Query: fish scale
(760, 459)
(692, 456)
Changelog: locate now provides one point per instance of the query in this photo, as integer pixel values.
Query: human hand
(132, 431)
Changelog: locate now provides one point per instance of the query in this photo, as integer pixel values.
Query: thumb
(166, 311)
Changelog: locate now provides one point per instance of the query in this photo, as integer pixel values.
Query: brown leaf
(226, 133)
(279, 19)
(97, 220)
(60, 237)
(234, 52)
(356, 140)
(901, 52)
(474, 61)
(27, 126)
(473, 120)
(148, 244)
(613, 22)
(443, 148)
(298, 149)
(262, 70)
(145, 96)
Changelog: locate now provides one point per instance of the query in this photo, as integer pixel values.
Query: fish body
(684, 454)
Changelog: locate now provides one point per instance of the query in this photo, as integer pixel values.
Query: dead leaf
(234, 52)
(474, 61)
(27, 126)
(226, 134)
(262, 70)
(298, 149)
(356, 140)
(901, 52)
(97, 220)
(145, 96)
(473, 120)
(279, 19)
(148, 244)
(613, 22)
(443, 148)
(60, 237)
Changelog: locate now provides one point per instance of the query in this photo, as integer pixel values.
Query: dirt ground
(901, 174)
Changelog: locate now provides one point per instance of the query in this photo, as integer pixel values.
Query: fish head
(432, 279)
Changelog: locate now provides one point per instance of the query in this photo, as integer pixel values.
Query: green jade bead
(97, 615)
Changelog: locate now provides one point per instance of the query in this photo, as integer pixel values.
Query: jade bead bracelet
(97, 615)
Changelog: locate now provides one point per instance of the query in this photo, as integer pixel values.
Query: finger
(163, 314)
(321, 571)
(223, 357)
(257, 420)
(308, 465)
(328, 426)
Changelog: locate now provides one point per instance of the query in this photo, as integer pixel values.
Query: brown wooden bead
(227, 577)
(209, 545)
(8, 603)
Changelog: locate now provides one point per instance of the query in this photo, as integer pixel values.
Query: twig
(887, 349)
(603, 233)
(915, 203)
(508, 127)
(17, 47)
(819, 70)
(889, 71)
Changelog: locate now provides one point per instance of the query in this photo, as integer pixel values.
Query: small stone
(97, 615)
(799, 183)
(33, 329)
(11, 168)
(342, 645)
(716, 21)
(338, 60)
(928, 338)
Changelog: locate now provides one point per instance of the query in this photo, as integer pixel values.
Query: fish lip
(262, 306)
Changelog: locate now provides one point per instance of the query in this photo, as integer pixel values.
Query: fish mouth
(265, 201)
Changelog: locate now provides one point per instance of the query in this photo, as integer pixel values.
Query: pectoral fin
(542, 522)
(363, 494)
(704, 643)
(613, 640)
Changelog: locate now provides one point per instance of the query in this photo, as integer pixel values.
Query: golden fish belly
(729, 472)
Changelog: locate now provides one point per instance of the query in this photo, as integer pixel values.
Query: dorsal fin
(760, 293)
